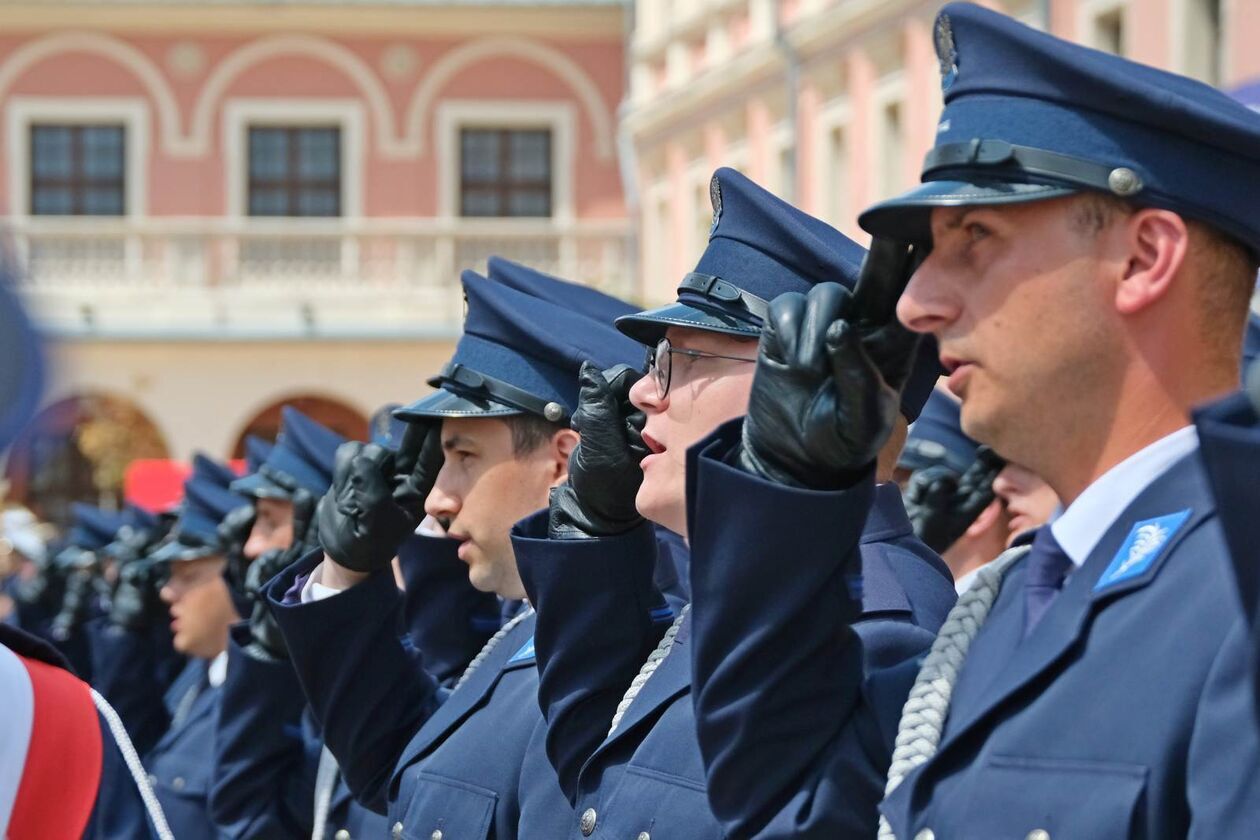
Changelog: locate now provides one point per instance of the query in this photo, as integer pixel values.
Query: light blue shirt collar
(1082, 525)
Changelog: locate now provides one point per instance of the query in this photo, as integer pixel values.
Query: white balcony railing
(276, 278)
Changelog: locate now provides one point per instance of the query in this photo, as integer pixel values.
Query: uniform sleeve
(446, 619)
(599, 616)
(367, 693)
(133, 670)
(778, 668)
(1225, 800)
(262, 784)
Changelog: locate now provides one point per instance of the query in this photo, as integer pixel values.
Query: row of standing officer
(1091, 258)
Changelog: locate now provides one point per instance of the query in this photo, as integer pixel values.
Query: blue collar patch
(1142, 548)
(526, 652)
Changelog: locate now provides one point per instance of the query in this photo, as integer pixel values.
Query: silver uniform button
(589, 818)
(643, 835)
(925, 834)
(341, 834)
(1038, 834)
(178, 783)
(436, 835)
(396, 831)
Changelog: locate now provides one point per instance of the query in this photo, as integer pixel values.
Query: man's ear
(1156, 244)
(986, 520)
(563, 443)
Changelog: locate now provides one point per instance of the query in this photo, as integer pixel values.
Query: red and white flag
(50, 750)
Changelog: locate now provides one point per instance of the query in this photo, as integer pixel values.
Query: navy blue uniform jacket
(1124, 714)
(594, 601)
(434, 763)
(268, 751)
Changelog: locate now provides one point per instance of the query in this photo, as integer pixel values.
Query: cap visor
(908, 216)
(176, 552)
(258, 486)
(443, 403)
(649, 327)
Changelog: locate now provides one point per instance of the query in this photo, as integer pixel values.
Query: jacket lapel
(472, 694)
(1179, 489)
(671, 679)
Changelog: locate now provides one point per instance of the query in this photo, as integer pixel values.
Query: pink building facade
(214, 208)
(833, 103)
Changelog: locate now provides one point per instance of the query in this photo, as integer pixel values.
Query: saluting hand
(942, 505)
(604, 475)
(360, 522)
(827, 389)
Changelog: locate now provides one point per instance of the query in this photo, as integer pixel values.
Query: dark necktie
(1048, 566)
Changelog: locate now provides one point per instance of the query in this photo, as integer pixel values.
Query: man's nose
(926, 306)
(442, 502)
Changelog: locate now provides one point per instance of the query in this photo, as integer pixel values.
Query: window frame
(132, 113)
(292, 184)
(502, 187)
(455, 115)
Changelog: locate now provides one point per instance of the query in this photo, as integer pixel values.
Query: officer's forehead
(704, 339)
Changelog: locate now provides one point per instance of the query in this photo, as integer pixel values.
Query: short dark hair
(529, 432)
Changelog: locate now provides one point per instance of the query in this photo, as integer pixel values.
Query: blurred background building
(219, 206)
(215, 208)
(833, 103)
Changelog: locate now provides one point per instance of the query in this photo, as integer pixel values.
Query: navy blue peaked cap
(203, 466)
(590, 302)
(134, 518)
(1029, 116)
(759, 248)
(256, 451)
(387, 430)
(519, 354)
(206, 503)
(93, 528)
(21, 365)
(937, 437)
(302, 458)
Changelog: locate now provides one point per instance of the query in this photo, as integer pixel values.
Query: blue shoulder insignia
(1142, 548)
(526, 652)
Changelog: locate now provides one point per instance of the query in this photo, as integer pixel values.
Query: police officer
(480, 452)
(1092, 253)
(622, 732)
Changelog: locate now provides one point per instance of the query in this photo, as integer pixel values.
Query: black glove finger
(414, 474)
(868, 407)
(894, 350)
(598, 405)
(621, 378)
(825, 303)
(881, 280)
(409, 447)
(780, 332)
(342, 460)
(975, 488)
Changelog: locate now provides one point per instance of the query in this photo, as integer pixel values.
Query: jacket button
(925, 834)
(1038, 834)
(589, 817)
(436, 835)
(341, 834)
(396, 831)
(178, 783)
(643, 835)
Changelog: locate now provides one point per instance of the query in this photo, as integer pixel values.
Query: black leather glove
(942, 505)
(266, 640)
(82, 571)
(137, 602)
(820, 407)
(597, 500)
(416, 465)
(234, 532)
(360, 523)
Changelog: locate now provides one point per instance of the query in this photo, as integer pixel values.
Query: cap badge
(1123, 181)
(946, 52)
(715, 198)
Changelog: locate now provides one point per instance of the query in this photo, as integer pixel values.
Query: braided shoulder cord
(492, 644)
(923, 716)
(654, 660)
(325, 781)
(132, 759)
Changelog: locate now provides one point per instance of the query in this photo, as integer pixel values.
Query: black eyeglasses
(660, 366)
